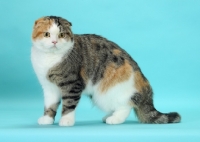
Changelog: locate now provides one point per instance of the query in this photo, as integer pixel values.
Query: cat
(68, 65)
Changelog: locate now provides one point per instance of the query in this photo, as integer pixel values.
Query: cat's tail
(142, 101)
(147, 113)
(157, 117)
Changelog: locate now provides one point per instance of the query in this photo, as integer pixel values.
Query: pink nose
(54, 42)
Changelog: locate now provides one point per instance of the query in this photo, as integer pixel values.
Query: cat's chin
(47, 50)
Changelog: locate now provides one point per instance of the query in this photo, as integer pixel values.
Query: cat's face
(52, 34)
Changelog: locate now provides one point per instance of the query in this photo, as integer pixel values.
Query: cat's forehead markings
(45, 24)
(54, 29)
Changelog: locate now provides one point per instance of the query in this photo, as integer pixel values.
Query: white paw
(105, 117)
(45, 120)
(114, 120)
(66, 121)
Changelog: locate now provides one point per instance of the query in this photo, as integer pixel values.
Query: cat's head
(52, 34)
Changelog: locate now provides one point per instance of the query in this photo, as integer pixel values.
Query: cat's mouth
(54, 46)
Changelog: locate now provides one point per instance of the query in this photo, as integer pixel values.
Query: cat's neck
(51, 53)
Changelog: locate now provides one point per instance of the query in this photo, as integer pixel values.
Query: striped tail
(147, 113)
(156, 117)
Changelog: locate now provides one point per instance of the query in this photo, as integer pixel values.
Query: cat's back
(94, 42)
(99, 45)
(99, 50)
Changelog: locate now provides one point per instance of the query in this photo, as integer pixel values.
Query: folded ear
(70, 23)
(65, 22)
(37, 22)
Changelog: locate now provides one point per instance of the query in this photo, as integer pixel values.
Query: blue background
(163, 36)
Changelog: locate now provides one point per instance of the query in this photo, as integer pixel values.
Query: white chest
(42, 62)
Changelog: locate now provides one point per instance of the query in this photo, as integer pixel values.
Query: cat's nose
(54, 42)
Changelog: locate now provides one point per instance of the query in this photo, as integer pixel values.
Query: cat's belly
(117, 96)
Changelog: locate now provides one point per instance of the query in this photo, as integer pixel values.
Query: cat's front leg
(51, 103)
(70, 98)
(69, 103)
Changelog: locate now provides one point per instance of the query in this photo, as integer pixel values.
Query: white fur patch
(42, 62)
(89, 89)
(119, 116)
(115, 98)
(45, 120)
(68, 119)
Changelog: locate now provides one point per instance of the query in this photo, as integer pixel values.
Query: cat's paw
(105, 117)
(45, 120)
(114, 120)
(68, 119)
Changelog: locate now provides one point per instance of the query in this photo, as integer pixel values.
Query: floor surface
(18, 122)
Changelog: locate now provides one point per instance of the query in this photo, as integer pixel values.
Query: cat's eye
(62, 35)
(46, 34)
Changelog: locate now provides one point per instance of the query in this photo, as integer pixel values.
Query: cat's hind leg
(119, 115)
(105, 117)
